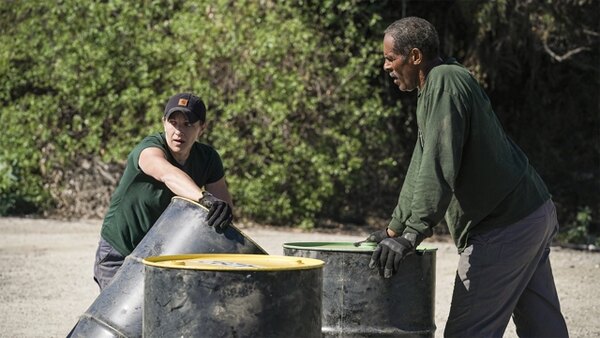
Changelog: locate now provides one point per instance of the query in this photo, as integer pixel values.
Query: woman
(163, 165)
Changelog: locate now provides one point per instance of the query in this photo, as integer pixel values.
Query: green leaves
(288, 101)
(308, 125)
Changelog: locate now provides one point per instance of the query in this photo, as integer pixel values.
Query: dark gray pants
(504, 272)
(108, 261)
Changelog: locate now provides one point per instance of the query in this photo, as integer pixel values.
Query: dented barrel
(359, 302)
(232, 295)
(181, 229)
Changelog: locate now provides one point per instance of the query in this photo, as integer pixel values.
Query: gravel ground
(46, 269)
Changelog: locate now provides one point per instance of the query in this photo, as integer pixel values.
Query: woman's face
(181, 134)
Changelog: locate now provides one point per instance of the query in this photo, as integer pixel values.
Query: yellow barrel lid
(233, 262)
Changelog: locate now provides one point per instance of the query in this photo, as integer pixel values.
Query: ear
(203, 126)
(416, 56)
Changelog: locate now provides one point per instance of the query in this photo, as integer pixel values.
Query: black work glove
(219, 214)
(390, 252)
(377, 236)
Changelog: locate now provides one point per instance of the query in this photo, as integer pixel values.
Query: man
(161, 166)
(498, 210)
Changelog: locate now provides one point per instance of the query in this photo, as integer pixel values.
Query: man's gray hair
(413, 32)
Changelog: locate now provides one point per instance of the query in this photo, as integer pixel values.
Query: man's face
(401, 69)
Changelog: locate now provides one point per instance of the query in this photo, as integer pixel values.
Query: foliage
(7, 187)
(289, 119)
(306, 121)
(539, 61)
(578, 232)
(76, 78)
(290, 102)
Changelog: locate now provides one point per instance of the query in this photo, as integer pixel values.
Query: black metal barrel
(359, 302)
(181, 229)
(232, 295)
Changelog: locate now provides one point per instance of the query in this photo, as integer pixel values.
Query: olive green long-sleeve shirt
(464, 166)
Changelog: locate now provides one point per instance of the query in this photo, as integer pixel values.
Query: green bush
(578, 232)
(76, 78)
(291, 107)
(306, 121)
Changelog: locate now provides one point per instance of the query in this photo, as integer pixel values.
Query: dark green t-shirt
(139, 199)
(464, 167)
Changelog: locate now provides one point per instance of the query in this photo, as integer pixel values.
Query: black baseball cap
(187, 103)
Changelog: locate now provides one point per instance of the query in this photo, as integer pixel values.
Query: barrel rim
(246, 237)
(342, 247)
(189, 200)
(302, 263)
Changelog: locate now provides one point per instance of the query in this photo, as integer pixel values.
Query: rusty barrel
(181, 229)
(232, 295)
(359, 302)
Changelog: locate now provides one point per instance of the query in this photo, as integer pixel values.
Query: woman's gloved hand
(219, 214)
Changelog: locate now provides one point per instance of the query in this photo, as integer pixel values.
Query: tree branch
(561, 58)
(589, 32)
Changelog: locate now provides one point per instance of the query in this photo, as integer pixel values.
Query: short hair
(413, 32)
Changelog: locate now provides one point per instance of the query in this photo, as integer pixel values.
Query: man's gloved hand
(378, 236)
(219, 214)
(391, 251)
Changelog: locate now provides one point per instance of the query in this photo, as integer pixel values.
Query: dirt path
(46, 283)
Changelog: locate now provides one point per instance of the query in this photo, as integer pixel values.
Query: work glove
(376, 237)
(391, 251)
(219, 214)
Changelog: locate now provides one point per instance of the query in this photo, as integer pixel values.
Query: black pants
(506, 272)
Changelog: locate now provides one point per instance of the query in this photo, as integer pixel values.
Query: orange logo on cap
(182, 102)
